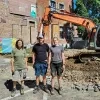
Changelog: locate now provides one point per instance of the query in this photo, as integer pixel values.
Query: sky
(74, 3)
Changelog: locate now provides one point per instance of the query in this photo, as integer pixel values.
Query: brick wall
(16, 26)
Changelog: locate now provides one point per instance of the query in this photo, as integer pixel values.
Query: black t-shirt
(40, 51)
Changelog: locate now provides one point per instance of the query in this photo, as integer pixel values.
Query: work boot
(46, 89)
(98, 87)
(36, 89)
(22, 90)
(95, 89)
(60, 91)
(52, 91)
(13, 92)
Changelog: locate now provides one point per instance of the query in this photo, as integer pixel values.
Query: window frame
(62, 3)
(61, 35)
(53, 7)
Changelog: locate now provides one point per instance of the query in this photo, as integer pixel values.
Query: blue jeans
(40, 68)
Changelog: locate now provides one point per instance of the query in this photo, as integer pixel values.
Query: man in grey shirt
(56, 63)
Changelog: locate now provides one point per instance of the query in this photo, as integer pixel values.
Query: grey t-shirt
(56, 53)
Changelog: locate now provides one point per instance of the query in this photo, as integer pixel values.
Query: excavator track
(83, 55)
(89, 56)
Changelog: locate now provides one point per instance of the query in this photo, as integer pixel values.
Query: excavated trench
(81, 72)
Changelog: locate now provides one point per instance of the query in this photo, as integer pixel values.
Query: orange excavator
(92, 29)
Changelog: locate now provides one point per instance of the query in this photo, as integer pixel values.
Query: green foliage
(93, 7)
(81, 29)
(81, 9)
(96, 20)
(90, 9)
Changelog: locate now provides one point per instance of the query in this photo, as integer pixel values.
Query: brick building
(57, 26)
(16, 20)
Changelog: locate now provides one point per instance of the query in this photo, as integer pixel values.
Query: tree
(93, 8)
(81, 9)
(90, 9)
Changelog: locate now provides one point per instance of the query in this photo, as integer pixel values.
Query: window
(53, 4)
(61, 6)
(61, 32)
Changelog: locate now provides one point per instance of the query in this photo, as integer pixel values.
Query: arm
(26, 63)
(33, 54)
(63, 58)
(49, 56)
(12, 65)
(12, 61)
(33, 58)
(49, 60)
(25, 58)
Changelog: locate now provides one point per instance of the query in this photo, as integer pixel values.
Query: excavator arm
(66, 16)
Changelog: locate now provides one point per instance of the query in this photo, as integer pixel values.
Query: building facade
(21, 19)
(17, 20)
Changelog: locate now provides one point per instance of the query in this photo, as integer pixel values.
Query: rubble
(82, 75)
(75, 52)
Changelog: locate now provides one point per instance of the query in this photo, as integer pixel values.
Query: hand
(48, 70)
(27, 68)
(63, 68)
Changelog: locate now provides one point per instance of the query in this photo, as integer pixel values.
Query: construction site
(26, 19)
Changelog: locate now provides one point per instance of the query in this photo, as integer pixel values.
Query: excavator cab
(97, 39)
(94, 39)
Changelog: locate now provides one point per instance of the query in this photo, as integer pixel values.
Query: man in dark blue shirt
(40, 57)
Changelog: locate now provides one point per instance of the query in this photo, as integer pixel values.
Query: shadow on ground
(29, 83)
(9, 84)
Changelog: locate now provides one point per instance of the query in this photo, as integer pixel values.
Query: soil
(76, 71)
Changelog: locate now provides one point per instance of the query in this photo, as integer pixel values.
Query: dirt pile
(83, 76)
(75, 52)
(82, 71)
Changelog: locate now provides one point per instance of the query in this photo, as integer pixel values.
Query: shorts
(40, 68)
(19, 75)
(56, 69)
